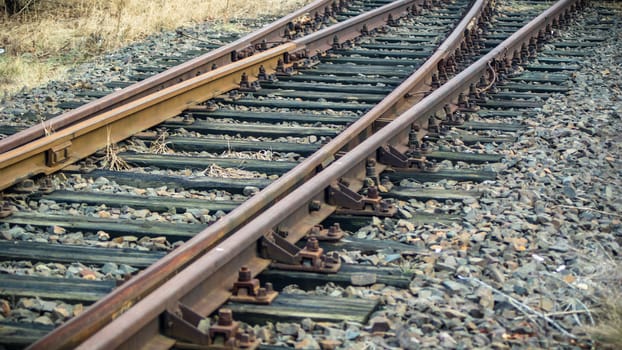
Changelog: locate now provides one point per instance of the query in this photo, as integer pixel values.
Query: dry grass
(51, 35)
(608, 329)
(215, 170)
(160, 145)
(261, 155)
(112, 160)
(608, 332)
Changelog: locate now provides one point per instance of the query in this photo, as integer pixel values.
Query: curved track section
(244, 212)
(160, 307)
(193, 288)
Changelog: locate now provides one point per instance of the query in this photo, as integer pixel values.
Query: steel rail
(54, 152)
(213, 291)
(219, 57)
(100, 313)
(183, 287)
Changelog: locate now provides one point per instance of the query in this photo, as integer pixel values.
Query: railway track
(166, 70)
(172, 189)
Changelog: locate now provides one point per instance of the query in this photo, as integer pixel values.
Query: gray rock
(455, 287)
(110, 268)
(45, 320)
(288, 328)
(407, 338)
(141, 214)
(307, 324)
(16, 232)
(250, 190)
(352, 333)
(447, 341)
(6, 235)
(127, 269)
(405, 214)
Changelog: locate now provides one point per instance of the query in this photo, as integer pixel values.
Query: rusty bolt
(334, 229)
(372, 192)
(370, 169)
(431, 121)
(225, 317)
(313, 244)
(435, 84)
(315, 230)
(315, 205)
(364, 30)
(244, 338)
(244, 275)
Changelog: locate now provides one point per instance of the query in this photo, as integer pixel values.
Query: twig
(604, 251)
(586, 309)
(574, 316)
(112, 160)
(519, 305)
(179, 32)
(160, 146)
(569, 285)
(24, 7)
(590, 209)
(494, 78)
(569, 312)
(530, 317)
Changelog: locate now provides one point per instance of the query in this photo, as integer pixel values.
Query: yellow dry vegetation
(49, 36)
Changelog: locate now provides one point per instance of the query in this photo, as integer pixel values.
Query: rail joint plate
(57, 154)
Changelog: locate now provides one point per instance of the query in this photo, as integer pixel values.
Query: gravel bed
(78, 183)
(182, 131)
(34, 310)
(526, 267)
(31, 106)
(139, 147)
(234, 107)
(531, 261)
(160, 146)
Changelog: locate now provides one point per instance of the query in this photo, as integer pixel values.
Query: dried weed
(48, 37)
(215, 170)
(112, 160)
(607, 332)
(160, 146)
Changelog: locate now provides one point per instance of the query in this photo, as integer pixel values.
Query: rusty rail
(194, 286)
(255, 42)
(52, 153)
(99, 314)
